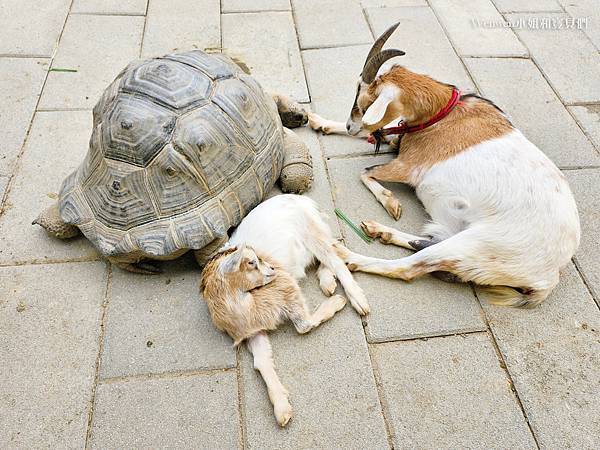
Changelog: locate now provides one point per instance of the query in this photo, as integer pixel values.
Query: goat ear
(232, 262)
(376, 112)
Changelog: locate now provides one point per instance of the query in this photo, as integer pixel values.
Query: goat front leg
(383, 195)
(304, 321)
(389, 235)
(325, 126)
(260, 347)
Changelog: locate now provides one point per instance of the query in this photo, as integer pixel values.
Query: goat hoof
(352, 267)
(371, 228)
(393, 207)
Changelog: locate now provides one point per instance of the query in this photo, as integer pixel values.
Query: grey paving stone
(588, 117)
(49, 329)
(587, 12)
(198, 412)
(427, 48)
(56, 145)
(508, 6)
(29, 29)
(3, 186)
(161, 325)
(20, 86)
(267, 44)
(320, 191)
(132, 7)
(399, 310)
(553, 355)
(566, 57)
(450, 393)
(98, 47)
(508, 82)
(330, 23)
(332, 75)
(586, 188)
(391, 3)
(471, 39)
(331, 384)
(180, 25)
(228, 6)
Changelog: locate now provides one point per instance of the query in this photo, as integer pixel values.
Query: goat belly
(509, 190)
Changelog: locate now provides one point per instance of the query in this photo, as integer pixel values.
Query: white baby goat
(251, 286)
(502, 214)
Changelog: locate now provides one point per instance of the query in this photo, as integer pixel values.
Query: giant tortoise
(182, 148)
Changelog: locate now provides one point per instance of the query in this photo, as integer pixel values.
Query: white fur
(374, 113)
(290, 229)
(515, 204)
(504, 214)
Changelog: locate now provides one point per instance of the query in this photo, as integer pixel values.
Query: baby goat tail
(507, 296)
(320, 244)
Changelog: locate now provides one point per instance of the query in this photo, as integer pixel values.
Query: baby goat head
(244, 268)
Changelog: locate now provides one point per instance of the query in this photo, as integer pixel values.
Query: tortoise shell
(183, 147)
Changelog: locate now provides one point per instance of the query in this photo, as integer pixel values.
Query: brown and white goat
(251, 286)
(502, 214)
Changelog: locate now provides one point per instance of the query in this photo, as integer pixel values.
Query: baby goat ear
(376, 112)
(231, 263)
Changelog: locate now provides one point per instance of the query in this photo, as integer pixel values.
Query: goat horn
(373, 65)
(379, 43)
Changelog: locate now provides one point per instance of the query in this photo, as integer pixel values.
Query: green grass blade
(61, 69)
(352, 225)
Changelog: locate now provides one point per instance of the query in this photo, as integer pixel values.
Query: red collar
(403, 128)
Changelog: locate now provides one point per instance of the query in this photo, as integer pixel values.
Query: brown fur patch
(262, 309)
(472, 121)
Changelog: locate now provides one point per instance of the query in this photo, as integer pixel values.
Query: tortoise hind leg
(296, 173)
(50, 220)
(292, 114)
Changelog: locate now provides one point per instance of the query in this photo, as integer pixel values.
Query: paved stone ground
(94, 357)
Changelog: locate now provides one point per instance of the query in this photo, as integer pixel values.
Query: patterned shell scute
(183, 147)
(118, 195)
(214, 66)
(175, 85)
(213, 146)
(135, 129)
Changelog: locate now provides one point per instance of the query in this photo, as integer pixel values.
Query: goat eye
(251, 263)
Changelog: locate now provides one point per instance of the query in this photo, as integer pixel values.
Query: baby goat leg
(260, 347)
(326, 280)
(304, 321)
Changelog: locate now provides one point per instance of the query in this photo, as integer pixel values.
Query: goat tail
(507, 296)
(320, 244)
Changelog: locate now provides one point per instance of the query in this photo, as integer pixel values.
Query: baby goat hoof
(283, 412)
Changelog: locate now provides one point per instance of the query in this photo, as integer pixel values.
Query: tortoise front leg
(296, 173)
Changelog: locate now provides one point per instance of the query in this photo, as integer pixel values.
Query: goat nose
(348, 127)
